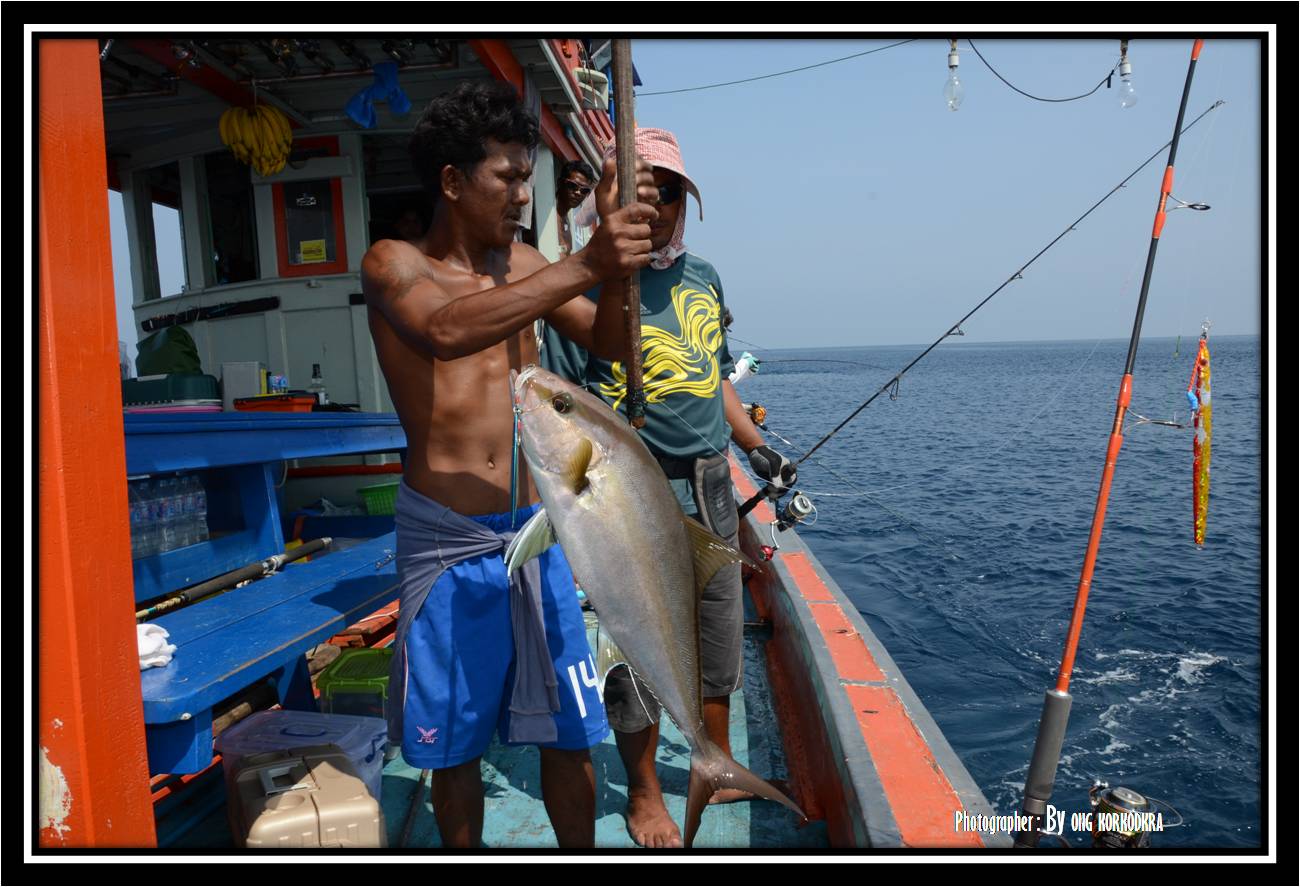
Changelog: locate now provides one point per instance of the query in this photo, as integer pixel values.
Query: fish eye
(562, 403)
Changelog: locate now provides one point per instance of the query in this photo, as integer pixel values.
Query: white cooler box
(305, 797)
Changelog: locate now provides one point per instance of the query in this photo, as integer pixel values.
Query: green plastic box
(356, 683)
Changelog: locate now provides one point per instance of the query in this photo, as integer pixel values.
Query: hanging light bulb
(953, 91)
(1127, 94)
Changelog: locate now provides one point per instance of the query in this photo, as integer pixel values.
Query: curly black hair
(578, 166)
(453, 127)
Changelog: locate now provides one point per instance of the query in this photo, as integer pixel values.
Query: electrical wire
(1104, 80)
(778, 73)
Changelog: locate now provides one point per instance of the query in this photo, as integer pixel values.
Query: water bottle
(150, 510)
(188, 535)
(167, 521)
(200, 510)
(139, 515)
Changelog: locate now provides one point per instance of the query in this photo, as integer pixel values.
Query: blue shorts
(461, 660)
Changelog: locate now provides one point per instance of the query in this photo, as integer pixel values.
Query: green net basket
(380, 498)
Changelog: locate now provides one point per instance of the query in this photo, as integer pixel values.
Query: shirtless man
(450, 318)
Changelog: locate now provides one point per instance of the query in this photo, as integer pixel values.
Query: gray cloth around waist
(430, 539)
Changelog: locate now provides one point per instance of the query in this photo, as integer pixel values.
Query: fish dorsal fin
(534, 537)
(575, 475)
(710, 553)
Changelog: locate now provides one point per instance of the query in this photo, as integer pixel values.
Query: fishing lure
(1198, 396)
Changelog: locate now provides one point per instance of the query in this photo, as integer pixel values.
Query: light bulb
(953, 91)
(1127, 94)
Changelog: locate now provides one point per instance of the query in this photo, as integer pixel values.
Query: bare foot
(648, 821)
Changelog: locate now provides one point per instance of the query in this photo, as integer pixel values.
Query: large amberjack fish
(641, 562)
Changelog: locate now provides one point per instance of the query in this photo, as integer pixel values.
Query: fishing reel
(795, 512)
(1119, 817)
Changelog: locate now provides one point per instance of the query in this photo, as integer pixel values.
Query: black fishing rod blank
(956, 330)
(1056, 704)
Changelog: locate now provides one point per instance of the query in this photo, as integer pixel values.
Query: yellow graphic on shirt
(670, 364)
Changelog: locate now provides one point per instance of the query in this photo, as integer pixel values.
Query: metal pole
(625, 133)
(1056, 707)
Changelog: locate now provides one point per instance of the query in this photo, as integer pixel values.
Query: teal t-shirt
(684, 360)
(562, 356)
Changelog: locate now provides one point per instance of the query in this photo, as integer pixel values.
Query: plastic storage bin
(356, 683)
(361, 739)
(308, 797)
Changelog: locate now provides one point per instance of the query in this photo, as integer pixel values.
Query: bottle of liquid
(185, 534)
(139, 516)
(200, 510)
(168, 507)
(151, 507)
(317, 386)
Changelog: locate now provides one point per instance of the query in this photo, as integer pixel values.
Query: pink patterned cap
(659, 146)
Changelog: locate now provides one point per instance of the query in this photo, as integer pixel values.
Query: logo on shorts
(427, 736)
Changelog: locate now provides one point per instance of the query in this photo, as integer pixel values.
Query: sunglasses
(577, 189)
(669, 194)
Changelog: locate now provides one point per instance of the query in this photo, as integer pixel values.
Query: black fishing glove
(779, 472)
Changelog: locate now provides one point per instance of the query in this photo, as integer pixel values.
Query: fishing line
(901, 518)
(893, 383)
(1015, 434)
(864, 494)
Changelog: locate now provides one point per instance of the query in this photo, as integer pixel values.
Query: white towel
(151, 640)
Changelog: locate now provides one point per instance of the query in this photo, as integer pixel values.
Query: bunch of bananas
(260, 137)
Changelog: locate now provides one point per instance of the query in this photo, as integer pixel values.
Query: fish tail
(713, 769)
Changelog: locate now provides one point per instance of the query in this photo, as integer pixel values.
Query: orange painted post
(94, 771)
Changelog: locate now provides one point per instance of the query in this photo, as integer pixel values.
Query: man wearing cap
(691, 413)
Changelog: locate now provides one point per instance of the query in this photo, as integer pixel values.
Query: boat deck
(514, 816)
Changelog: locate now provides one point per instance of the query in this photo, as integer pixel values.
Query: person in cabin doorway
(576, 182)
(411, 225)
(450, 318)
(690, 416)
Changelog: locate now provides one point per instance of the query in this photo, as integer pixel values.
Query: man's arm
(445, 327)
(595, 326)
(743, 430)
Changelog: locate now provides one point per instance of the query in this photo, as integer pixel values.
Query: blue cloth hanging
(361, 107)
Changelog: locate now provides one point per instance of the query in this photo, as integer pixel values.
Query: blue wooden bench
(254, 633)
(260, 632)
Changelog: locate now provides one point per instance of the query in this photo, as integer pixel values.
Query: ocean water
(956, 519)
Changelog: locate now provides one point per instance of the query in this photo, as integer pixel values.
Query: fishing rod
(892, 385)
(625, 140)
(1056, 702)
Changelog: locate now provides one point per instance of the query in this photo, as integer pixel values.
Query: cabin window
(309, 229)
(162, 188)
(309, 222)
(232, 256)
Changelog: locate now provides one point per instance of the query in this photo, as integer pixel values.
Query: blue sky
(846, 205)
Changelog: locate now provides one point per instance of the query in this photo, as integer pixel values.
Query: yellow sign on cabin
(312, 250)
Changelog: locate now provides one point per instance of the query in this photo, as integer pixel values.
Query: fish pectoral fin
(575, 475)
(534, 537)
(710, 552)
